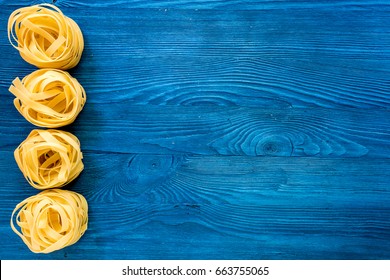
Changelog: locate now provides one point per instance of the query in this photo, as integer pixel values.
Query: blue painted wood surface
(221, 130)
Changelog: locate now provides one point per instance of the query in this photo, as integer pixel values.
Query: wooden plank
(210, 4)
(331, 58)
(267, 181)
(209, 130)
(171, 207)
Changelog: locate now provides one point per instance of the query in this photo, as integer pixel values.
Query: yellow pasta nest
(51, 220)
(45, 37)
(48, 97)
(49, 158)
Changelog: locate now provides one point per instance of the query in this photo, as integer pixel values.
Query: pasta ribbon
(48, 97)
(49, 158)
(45, 37)
(51, 220)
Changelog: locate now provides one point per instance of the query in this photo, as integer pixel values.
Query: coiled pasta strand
(49, 158)
(45, 37)
(48, 97)
(51, 220)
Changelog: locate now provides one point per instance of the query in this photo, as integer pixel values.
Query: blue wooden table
(221, 130)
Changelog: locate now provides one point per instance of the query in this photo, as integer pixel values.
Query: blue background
(221, 130)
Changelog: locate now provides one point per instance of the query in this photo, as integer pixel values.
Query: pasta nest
(48, 97)
(51, 220)
(49, 158)
(45, 37)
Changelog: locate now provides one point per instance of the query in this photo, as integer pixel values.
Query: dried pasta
(49, 158)
(45, 37)
(51, 220)
(48, 97)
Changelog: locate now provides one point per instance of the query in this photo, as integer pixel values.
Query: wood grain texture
(211, 4)
(221, 130)
(164, 206)
(209, 130)
(246, 58)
